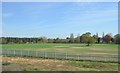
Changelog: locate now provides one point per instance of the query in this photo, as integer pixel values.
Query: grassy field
(38, 64)
(71, 48)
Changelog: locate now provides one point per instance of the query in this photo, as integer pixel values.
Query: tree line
(84, 38)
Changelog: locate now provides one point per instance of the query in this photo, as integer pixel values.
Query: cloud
(7, 15)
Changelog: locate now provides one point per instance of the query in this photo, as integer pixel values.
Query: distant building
(100, 40)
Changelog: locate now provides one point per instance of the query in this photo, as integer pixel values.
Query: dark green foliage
(84, 38)
(117, 38)
(87, 38)
(5, 63)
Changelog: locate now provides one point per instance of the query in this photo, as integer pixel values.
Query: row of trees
(84, 38)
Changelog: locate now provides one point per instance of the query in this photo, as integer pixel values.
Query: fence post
(14, 52)
(28, 53)
(78, 57)
(55, 55)
(8, 52)
(36, 53)
(44, 54)
(21, 52)
(66, 55)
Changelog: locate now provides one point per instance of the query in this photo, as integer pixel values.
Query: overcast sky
(58, 19)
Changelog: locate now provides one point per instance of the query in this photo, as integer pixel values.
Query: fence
(59, 55)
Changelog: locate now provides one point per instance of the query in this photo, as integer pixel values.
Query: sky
(58, 19)
(60, 0)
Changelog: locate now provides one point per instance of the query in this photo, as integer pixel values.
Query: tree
(0, 40)
(103, 38)
(50, 40)
(99, 40)
(77, 39)
(117, 38)
(44, 40)
(71, 38)
(90, 40)
(96, 38)
(67, 40)
(4, 40)
(108, 38)
(87, 38)
(57, 40)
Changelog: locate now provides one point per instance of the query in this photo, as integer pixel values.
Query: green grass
(38, 64)
(71, 48)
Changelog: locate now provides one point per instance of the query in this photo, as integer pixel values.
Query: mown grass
(71, 48)
(46, 45)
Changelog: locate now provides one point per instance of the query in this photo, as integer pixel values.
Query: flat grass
(38, 64)
(70, 48)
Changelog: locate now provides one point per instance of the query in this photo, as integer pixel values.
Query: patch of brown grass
(38, 64)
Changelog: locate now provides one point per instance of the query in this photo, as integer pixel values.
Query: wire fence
(63, 56)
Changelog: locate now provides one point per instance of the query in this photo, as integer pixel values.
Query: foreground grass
(71, 48)
(38, 64)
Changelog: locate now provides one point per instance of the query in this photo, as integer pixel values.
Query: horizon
(58, 19)
(57, 37)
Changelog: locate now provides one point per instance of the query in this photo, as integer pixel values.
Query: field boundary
(62, 56)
